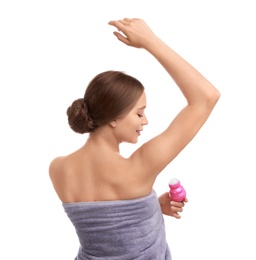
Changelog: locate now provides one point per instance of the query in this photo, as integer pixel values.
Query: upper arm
(157, 153)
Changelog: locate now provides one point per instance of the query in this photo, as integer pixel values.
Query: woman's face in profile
(129, 127)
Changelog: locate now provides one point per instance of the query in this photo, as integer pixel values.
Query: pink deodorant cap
(177, 192)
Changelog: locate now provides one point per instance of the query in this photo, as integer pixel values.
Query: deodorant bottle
(177, 192)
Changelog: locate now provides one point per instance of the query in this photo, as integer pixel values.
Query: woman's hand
(135, 31)
(169, 207)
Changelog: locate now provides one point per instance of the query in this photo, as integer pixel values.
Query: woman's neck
(104, 137)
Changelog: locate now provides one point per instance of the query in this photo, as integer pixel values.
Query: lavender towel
(120, 230)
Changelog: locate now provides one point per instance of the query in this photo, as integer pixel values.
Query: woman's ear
(113, 123)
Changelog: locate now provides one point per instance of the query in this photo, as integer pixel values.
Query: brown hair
(108, 96)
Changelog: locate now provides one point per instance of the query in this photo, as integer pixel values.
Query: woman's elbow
(213, 98)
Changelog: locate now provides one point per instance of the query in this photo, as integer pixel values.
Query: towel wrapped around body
(120, 230)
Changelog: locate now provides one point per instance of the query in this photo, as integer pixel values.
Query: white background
(49, 50)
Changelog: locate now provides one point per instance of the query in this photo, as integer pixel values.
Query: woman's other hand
(169, 207)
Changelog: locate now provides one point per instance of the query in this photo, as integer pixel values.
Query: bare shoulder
(55, 164)
(58, 172)
(56, 169)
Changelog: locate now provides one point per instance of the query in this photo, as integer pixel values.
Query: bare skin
(169, 207)
(97, 171)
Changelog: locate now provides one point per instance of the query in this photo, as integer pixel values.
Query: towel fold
(120, 230)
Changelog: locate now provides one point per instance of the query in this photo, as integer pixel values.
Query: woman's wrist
(154, 44)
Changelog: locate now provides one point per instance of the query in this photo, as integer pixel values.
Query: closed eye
(140, 115)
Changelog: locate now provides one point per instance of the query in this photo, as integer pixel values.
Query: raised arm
(200, 94)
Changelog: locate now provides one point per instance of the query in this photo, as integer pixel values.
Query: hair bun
(78, 117)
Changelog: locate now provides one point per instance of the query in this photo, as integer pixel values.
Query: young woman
(110, 199)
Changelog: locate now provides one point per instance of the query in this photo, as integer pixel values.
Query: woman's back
(96, 173)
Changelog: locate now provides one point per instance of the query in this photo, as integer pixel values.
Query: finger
(121, 38)
(120, 26)
(176, 215)
(130, 20)
(176, 209)
(136, 19)
(124, 22)
(179, 204)
(127, 19)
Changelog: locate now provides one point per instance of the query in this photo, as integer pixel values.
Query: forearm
(195, 87)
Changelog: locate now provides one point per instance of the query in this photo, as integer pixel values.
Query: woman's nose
(144, 120)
